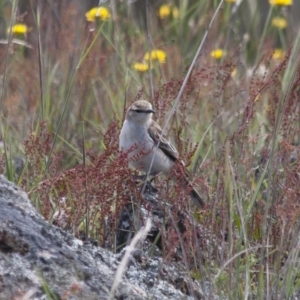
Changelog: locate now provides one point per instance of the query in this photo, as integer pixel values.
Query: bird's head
(140, 112)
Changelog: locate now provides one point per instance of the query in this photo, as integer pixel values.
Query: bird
(139, 138)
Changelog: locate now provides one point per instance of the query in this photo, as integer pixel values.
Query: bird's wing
(155, 131)
(165, 145)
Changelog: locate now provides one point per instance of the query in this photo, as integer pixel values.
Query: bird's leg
(143, 178)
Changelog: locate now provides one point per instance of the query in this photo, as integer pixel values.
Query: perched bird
(139, 138)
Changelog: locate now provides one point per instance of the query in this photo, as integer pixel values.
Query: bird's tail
(183, 177)
(196, 198)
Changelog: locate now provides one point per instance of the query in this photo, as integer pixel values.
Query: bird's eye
(138, 110)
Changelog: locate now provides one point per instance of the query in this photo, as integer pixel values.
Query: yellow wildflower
(166, 10)
(156, 55)
(142, 67)
(175, 12)
(279, 22)
(18, 29)
(278, 54)
(217, 54)
(281, 2)
(97, 12)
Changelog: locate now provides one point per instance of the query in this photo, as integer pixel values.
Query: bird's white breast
(136, 142)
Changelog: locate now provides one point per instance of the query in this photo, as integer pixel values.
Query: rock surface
(40, 261)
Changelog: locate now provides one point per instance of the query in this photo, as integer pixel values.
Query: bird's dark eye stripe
(147, 111)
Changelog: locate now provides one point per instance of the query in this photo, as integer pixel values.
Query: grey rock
(36, 258)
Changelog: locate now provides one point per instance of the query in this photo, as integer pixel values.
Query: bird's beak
(151, 111)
